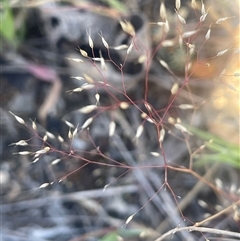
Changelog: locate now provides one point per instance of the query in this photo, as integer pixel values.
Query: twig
(199, 229)
(197, 224)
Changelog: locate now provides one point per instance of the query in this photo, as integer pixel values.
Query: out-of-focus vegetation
(218, 150)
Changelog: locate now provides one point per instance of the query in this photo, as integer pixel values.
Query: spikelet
(90, 41)
(162, 11)
(83, 53)
(162, 135)
(54, 162)
(220, 20)
(193, 4)
(174, 88)
(182, 128)
(207, 36)
(87, 109)
(19, 119)
(104, 42)
(20, 143)
(164, 64)
(181, 19)
(112, 127)
(124, 105)
(130, 48)
(87, 123)
(127, 27)
(121, 47)
(177, 4)
(186, 106)
(139, 131)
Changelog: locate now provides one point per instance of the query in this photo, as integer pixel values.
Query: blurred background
(103, 64)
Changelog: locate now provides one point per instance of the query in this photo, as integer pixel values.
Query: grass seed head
(202, 203)
(166, 27)
(60, 138)
(75, 132)
(90, 41)
(182, 128)
(77, 90)
(174, 89)
(130, 48)
(203, 17)
(35, 160)
(129, 219)
(104, 42)
(128, 28)
(181, 19)
(97, 97)
(83, 53)
(171, 120)
(146, 117)
(77, 77)
(149, 108)
(162, 135)
(220, 20)
(50, 135)
(54, 162)
(168, 43)
(162, 11)
(87, 109)
(121, 47)
(19, 143)
(162, 24)
(207, 36)
(103, 64)
(19, 119)
(203, 11)
(193, 4)
(139, 131)
(154, 153)
(186, 106)
(45, 138)
(76, 60)
(88, 79)
(43, 151)
(23, 153)
(142, 59)
(188, 34)
(69, 124)
(219, 183)
(34, 126)
(87, 122)
(164, 64)
(112, 127)
(70, 134)
(46, 184)
(87, 86)
(177, 4)
(222, 52)
(124, 105)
